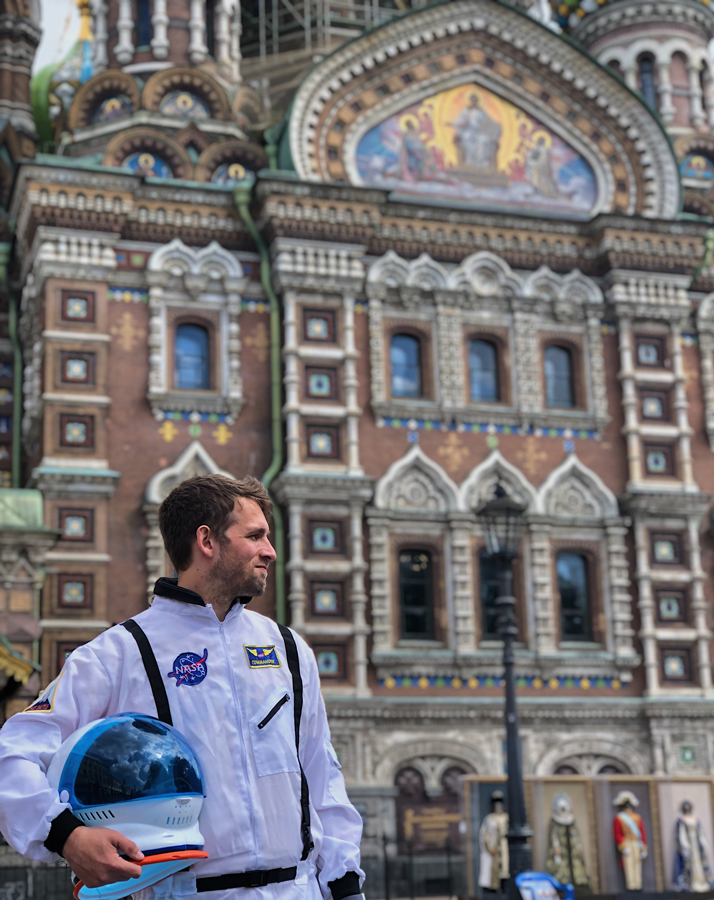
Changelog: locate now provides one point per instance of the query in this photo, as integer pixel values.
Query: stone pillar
(124, 50)
(629, 402)
(160, 22)
(350, 386)
(296, 568)
(291, 380)
(664, 92)
(100, 58)
(376, 351)
(236, 57)
(463, 580)
(618, 571)
(706, 364)
(696, 106)
(358, 601)
(684, 451)
(197, 49)
(646, 608)
(699, 606)
(630, 76)
(379, 570)
(223, 38)
(541, 564)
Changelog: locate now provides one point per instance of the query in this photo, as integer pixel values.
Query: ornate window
(483, 372)
(192, 363)
(488, 570)
(559, 386)
(416, 598)
(405, 365)
(574, 591)
(646, 73)
(144, 28)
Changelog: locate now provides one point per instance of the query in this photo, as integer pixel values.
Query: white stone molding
(529, 382)
(380, 564)
(542, 578)
(462, 572)
(684, 450)
(699, 608)
(705, 328)
(411, 752)
(596, 363)
(618, 575)
(197, 49)
(358, 600)
(100, 59)
(371, 52)
(415, 484)
(477, 488)
(574, 491)
(350, 385)
(194, 460)
(224, 9)
(584, 746)
(378, 370)
(124, 49)
(642, 295)
(449, 341)
(328, 267)
(160, 22)
(296, 566)
(646, 607)
(209, 279)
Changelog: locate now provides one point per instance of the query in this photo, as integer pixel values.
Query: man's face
(244, 552)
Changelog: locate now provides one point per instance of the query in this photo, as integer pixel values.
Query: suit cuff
(60, 830)
(344, 887)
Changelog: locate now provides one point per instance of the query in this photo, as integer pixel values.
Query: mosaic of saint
(228, 173)
(148, 164)
(697, 166)
(468, 144)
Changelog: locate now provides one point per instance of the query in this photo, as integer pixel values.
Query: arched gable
(487, 275)
(415, 484)
(477, 488)
(195, 460)
(573, 491)
(619, 750)
(507, 61)
(409, 752)
(197, 268)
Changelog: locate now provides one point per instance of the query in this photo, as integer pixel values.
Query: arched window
(409, 782)
(211, 27)
(192, 370)
(405, 364)
(559, 388)
(566, 770)
(483, 372)
(490, 588)
(416, 603)
(575, 616)
(144, 29)
(647, 80)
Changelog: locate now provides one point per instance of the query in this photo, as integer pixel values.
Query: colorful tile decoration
(648, 354)
(414, 425)
(652, 408)
(319, 384)
(185, 105)
(5, 424)
(173, 415)
(664, 550)
(328, 662)
(75, 432)
(670, 607)
(75, 369)
(674, 666)
(317, 328)
(255, 306)
(5, 397)
(324, 538)
(73, 592)
(326, 601)
(128, 295)
(113, 108)
(656, 462)
(76, 307)
(321, 443)
(75, 526)
(456, 682)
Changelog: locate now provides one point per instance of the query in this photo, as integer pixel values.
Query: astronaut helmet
(134, 774)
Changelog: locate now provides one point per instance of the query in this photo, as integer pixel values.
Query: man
(226, 673)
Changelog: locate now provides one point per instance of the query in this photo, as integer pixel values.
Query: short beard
(236, 583)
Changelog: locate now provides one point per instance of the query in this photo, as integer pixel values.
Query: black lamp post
(503, 520)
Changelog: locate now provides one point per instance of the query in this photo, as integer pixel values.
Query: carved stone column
(629, 402)
(684, 451)
(463, 581)
(100, 58)
(646, 608)
(236, 55)
(618, 572)
(696, 106)
(223, 39)
(706, 363)
(699, 606)
(380, 584)
(124, 50)
(358, 601)
(541, 563)
(597, 372)
(160, 22)
(376, 351)
(296, 567)
(350, 386)
(451, 364)
(664, 92)
(291, 380)
(530, 392)
(197, 49)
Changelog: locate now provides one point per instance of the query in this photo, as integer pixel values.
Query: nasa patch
(190, 668)
(46, 701)
(262, 657)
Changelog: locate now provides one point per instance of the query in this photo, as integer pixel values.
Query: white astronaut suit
(223, 680)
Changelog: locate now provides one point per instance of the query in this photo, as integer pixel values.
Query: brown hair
(204, 500)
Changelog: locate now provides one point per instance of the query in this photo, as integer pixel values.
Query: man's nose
(268, 552)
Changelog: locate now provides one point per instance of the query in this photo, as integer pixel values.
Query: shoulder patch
(262, 657)
(46, 701)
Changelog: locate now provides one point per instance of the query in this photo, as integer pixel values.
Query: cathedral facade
(385, 258)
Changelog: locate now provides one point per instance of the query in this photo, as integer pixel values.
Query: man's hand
(93, 856)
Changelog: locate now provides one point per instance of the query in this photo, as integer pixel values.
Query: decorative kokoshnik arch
(489, 68)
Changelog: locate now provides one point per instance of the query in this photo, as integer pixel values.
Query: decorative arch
(416, 484)
(583, 746)
(248, 155)
(416, 752)
(151, 141)
(210, 263)
(352, 91)
(194, 460)
(94, 92)
(572, 288)
(574, 491)
(194, 81)
(389, 271)
(477, 487)
(487, 275)
(426, 274)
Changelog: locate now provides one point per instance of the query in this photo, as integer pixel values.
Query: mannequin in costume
(493, 843)
(630, 839)
(566, 860)
(691, 858)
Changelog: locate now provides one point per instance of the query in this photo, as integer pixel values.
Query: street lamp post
(503, 519)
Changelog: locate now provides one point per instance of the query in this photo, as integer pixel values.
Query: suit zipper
(278, 706)
(236, 707)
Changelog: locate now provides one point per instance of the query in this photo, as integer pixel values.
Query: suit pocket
(272, 733)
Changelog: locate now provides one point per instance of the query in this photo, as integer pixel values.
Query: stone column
(100, 57)
(699, 606)
(223, 38)
(463, 580)
(124, 50)
(664, 92)
(379, 570)
(541, 562)
(358, 601)
(160, 22)
(197, 49)
(696, 107)
(291, 380)
(619, 575)
(451, 363)
(236, 57)
(646, 608)
(706, 363)
(684, 451)
(629, 402)
(296, 568)
(350, 386)
(376, 351)
(630, 76)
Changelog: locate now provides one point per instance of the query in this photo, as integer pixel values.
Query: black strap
(291, 654)
(259, 878)
(158, 689)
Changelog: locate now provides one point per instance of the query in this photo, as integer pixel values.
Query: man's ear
(205, 542)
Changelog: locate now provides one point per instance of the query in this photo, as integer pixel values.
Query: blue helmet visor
(129, 757)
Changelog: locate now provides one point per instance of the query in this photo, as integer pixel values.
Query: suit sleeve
(619, 833)
(29, 740)
(341, 823)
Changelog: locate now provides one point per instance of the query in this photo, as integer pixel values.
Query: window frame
(331, 372)
(67, 294)
(88, 357)
(329, 315)
(590, 584)
(339, 588)
(492, 341)
(574, 356)
(677, 538)
(660, 593)
(399, 331)
(207, 325)
(660, 341)
(341, 651)
(87, 579)
(657, 392)
(334, 430)
(313, 524)
(402, 637)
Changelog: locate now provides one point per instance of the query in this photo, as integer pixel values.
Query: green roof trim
(22, 509)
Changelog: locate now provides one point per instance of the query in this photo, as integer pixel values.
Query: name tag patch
(46, 701)
(262, 657)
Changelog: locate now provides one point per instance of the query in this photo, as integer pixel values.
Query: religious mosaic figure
(539, 170)
(477, 136)
(416, 160)
(566, 859)
(493, 844)
(691, 856)
(630, 839)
